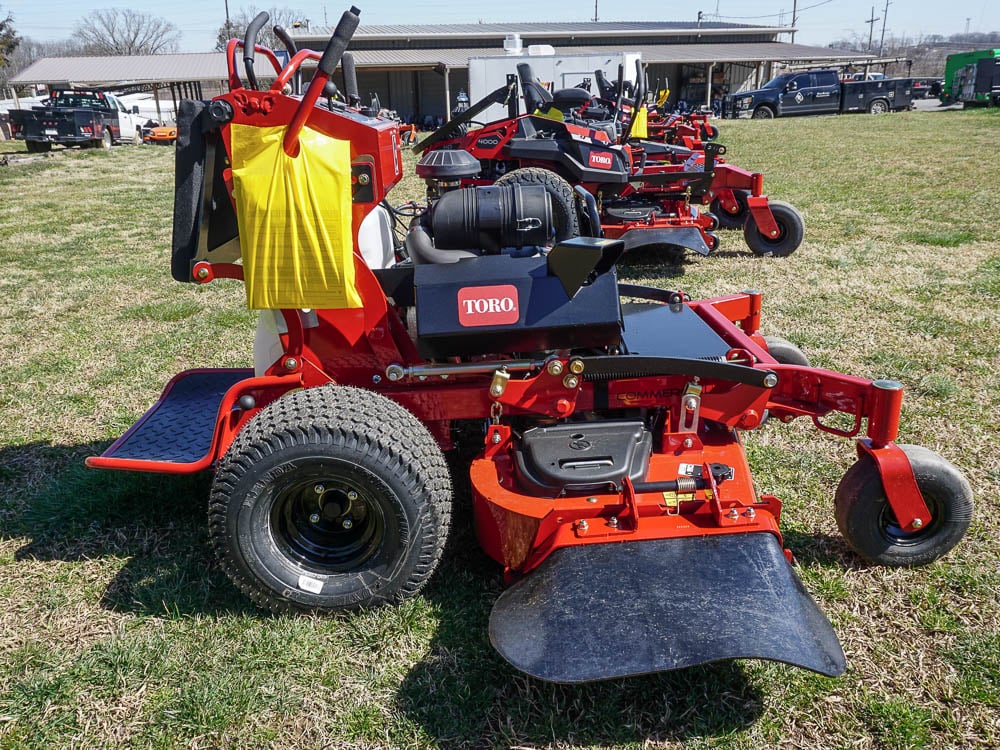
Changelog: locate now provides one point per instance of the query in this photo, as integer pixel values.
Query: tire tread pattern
(356, 419)
(563, 197)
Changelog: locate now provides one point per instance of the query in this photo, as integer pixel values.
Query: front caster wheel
(785, 351)
(791, 229)
(332, 498)
(732, 217)
(870, 527)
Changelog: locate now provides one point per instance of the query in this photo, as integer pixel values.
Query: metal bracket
(690, 408)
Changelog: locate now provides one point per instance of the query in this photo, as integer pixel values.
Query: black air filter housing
(455, 164)
(498, 304)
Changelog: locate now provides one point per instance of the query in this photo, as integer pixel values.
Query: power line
(774, 15)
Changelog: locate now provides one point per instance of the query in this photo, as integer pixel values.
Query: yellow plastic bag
(294, 218)
(640, 128)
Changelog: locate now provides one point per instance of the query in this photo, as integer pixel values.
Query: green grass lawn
(117, 629)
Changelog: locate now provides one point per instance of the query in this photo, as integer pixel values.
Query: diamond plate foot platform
(177, 433)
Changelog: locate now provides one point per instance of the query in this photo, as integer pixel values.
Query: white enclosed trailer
(556, 71)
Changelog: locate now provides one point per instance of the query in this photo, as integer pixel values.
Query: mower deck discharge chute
(611, 482)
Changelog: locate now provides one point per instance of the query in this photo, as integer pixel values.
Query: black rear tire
(732, 220)
(870, 527)
(791, 230)
(564, 212)
(763, 112)
(331, 498)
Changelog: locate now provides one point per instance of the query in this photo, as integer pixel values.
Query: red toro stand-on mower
(612, 483)
(637, 192)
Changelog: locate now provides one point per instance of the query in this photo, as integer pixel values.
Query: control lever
(327, 64)
(249, 43)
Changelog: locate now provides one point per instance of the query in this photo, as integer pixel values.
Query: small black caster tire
(785, 351)
(791, 230)
(870, 527)
(732, 220)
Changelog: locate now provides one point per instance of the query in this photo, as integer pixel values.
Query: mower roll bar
(327, 65)
(500, 96)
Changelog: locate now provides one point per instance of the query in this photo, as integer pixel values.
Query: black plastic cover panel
(582, 456)
(600, 611)
(500, 304)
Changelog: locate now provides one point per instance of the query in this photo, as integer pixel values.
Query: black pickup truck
(819, 92)
(78, 117)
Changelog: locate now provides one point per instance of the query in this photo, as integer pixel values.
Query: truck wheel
(791, 229)
(878, 107)
(106, 141)
(869, 526)
(729, 219)
(563, 199)
(137, 138)
(38, 147)
(331, 498)
(763, 112)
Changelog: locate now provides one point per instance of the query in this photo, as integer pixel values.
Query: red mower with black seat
(635, 192)
(611, 484)
(735, 196)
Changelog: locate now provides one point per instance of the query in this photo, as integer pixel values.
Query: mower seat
(567, 100)
(536, 96)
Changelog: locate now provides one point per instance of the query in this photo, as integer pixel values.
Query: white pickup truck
(80, 117)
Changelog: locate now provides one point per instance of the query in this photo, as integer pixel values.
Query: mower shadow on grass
(464, 694)
(822, 549)
(154, 522)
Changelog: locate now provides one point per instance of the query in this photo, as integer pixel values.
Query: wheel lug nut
(314, 518)
(319, 489)
(347, 523)
(352, 495)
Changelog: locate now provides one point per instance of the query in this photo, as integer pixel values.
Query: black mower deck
(601, 611)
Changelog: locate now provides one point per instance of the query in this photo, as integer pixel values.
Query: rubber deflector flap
(686, 237)
(600, 611)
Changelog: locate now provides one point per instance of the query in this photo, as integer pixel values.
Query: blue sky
(198, 20)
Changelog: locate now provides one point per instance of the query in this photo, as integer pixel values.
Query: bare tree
(238, 24)
(117, 31)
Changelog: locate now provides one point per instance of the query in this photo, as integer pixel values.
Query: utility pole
(229, 28)
(795, 13)
(595, 11)
(871, 27)
(885, 15)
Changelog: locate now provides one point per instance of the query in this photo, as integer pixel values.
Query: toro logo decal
(601, 159)
(488, 305)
